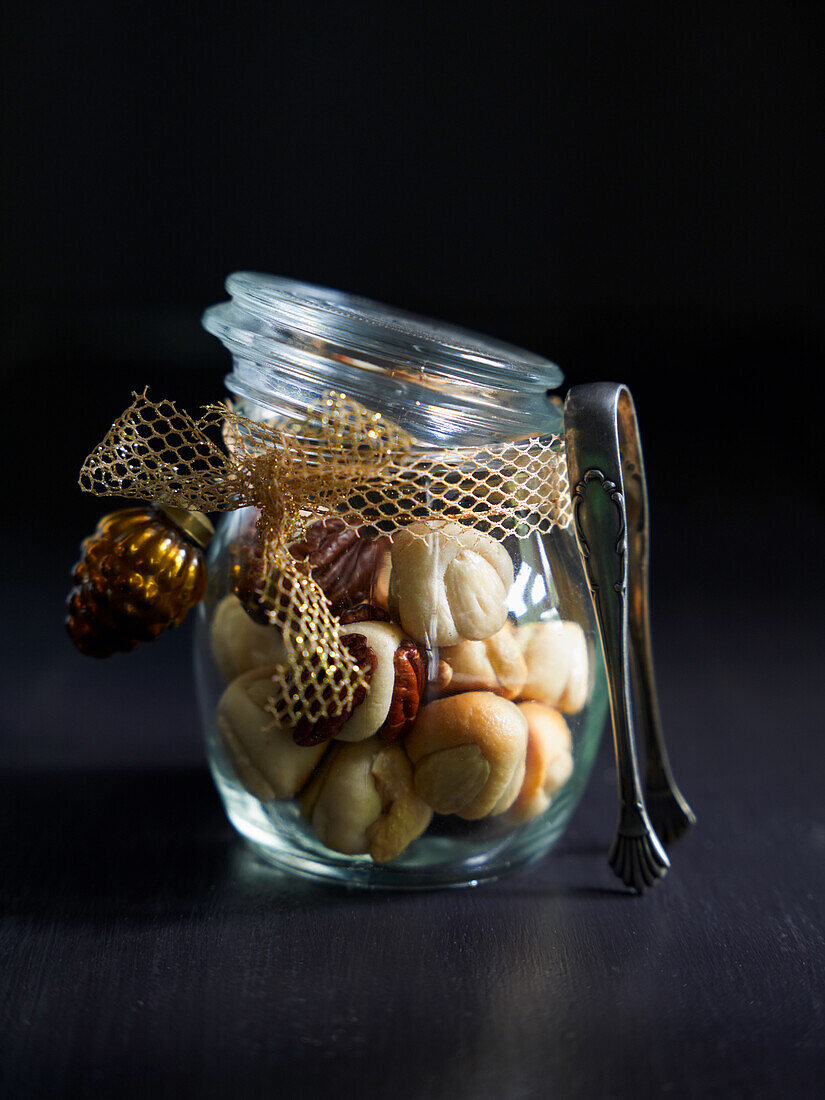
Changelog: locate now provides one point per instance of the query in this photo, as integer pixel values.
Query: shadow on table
(155, 844)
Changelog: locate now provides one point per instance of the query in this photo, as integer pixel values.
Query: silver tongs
(607, 484)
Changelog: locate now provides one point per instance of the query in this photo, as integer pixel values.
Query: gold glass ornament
(140, 573)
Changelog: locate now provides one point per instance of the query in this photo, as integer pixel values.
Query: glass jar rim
(291, 340)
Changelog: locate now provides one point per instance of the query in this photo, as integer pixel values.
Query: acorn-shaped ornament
(139, 574)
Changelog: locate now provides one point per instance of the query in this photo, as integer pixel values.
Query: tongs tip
(638, 859)
(669, 813)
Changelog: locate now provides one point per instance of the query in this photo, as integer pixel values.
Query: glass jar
(482, 697)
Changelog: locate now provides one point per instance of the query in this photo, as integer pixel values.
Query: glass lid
(290, 340)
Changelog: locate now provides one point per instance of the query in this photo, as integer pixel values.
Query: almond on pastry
(469, 754)
(495, 664)
(239, 643)
(266, 759)
(558, 671)
(448, 582)
(362, 800)
(549, 760)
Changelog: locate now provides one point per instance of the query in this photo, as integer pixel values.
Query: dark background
(634, 190)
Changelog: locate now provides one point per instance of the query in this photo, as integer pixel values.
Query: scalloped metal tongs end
(610, 508)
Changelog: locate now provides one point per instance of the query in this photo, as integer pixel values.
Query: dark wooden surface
(143, 952)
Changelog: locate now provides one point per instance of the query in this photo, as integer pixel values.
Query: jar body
(440, 689)
(549, 589)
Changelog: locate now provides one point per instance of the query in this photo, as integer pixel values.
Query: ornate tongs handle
(607, 482)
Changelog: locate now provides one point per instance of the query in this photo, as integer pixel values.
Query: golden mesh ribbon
(342, 460)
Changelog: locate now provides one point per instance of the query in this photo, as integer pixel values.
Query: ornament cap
(194, 525)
